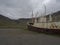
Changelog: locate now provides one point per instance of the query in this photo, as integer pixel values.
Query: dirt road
(19, 37)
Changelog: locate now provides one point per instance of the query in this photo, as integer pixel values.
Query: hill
(6, 22)
(55, 16)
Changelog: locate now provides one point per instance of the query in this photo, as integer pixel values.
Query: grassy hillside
(5, 22)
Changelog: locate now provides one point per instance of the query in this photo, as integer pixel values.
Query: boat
(44, 25)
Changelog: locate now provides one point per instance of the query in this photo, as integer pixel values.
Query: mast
(45, 13)
(36, 17)
(45, 9)
(46, 25)
(50, 18)
(32, 18)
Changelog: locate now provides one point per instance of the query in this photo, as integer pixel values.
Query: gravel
(15, 37)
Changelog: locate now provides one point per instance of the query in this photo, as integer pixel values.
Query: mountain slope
(55, 16)
(20, 23)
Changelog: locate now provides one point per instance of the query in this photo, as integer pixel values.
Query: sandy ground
(19, 37)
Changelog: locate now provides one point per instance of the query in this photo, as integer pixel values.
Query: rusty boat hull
(43, 30)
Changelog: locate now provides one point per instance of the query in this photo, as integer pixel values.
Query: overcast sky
(16, 9)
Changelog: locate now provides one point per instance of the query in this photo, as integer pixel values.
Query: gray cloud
(15, 9)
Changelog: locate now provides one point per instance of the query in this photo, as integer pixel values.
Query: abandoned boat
(44, 24)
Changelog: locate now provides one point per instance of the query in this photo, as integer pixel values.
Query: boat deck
(53, 25)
